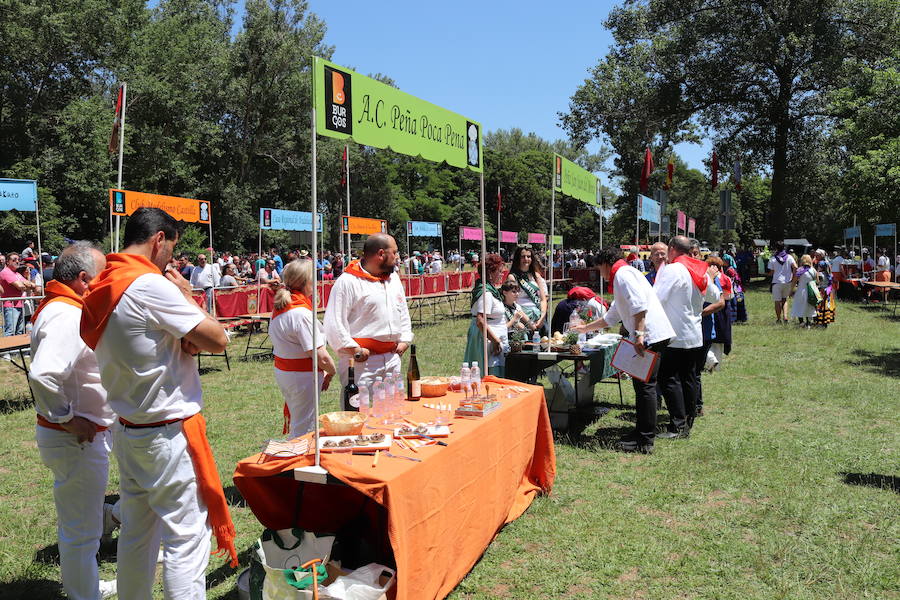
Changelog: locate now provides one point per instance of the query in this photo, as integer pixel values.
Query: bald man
(658, 254)
(73, 419)
(367, 318)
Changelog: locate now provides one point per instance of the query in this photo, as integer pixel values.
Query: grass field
(789, 487)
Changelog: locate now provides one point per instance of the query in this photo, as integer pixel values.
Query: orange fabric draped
(355, 269)
(210, 486)
(375, 346)
(298, 300)
(106, 291)
(56, 291)
(436, 516)
(697, 269)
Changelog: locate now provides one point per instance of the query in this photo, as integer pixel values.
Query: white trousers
(80, 473)
(160, 503)
(299, 395)
(377, 365)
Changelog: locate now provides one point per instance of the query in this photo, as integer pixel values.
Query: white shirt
(496, 321)
(683, 303)
(291, 333)
(884, 263)
(436, 266)
(599, 309)
(358, 308)
(147, 376)
(64, 374)
(632, 293)
(836, 263)
(782, 273)
(204, 277)
(524, 300)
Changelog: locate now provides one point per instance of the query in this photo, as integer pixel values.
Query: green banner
(350, 105)
(557, 240)
(574, 181)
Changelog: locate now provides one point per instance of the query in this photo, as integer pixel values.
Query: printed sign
(648, 208)
(18, 194)
(375, 114)
(287, 220)
(682, 218)
(189, 210)
(362, 226)
(886, 229)
(692, 226)
(537, 238)
(852, 232)
(574, 181)
(509, 237)
(470, 233)
(423, 229)
(557, 240)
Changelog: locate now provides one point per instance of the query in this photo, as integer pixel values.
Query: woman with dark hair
(488, 313)
(526, 270)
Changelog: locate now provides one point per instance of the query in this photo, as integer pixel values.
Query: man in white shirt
(205, 276)
(367, 318)
(144, 328)
(639, 310)
(682, 286)
(437, 264)
(782, 267)
(73, 420)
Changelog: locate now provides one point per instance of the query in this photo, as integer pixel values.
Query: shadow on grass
(15, 404)
(234, 498)
(205, 370)
(29, 589)
(884, 482)
(881, 363)
(224, 571)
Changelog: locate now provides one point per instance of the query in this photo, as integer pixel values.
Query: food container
(345, 422)
(432, 387)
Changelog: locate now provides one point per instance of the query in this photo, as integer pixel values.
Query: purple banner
(470, 233)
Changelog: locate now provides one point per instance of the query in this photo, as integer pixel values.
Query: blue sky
(504, 63)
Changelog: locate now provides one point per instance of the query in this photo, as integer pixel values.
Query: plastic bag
(365, 583)
(563, 390)
(276, 551)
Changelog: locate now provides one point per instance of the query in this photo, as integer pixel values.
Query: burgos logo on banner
(338, 101)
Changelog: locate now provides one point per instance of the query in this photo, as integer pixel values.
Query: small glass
(343, 455)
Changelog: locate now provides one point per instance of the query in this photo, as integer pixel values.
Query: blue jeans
(13, 322)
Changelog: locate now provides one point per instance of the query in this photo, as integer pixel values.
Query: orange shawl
(354, 268)
(56, 291)
(106, 291)
(298, 300)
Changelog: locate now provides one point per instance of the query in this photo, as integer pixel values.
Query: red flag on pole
(647, 170)
(670, 174)
(344, 168)
(117, 124)
(499, 200)
(715, 170)
(737, 175)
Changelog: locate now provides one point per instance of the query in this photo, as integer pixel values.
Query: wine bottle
(413, 385)
(350, 389)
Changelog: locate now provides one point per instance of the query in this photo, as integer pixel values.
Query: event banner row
(287, 220)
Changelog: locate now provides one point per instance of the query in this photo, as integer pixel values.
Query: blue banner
(18, 194)
(287, 220)
(648, 208)
(852, 232)
(423, 229)
(886, 229)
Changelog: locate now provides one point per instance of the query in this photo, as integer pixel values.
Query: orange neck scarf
(355, 268)
(697, 270)
(106, 291)
(298, 300)
(56, 291)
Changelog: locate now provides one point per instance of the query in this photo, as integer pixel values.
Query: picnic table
(18, 343)
(432, 519)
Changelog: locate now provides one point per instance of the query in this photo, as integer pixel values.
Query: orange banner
(124, 203)
(362, 226)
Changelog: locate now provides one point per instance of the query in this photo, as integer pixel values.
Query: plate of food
(357, 443)
(409, 431)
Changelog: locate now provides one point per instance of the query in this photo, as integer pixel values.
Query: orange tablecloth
(439, 514)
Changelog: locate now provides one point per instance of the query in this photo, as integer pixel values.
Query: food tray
(435, 431)
(383, 445)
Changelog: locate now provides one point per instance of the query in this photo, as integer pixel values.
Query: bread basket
(345, 422)
(432, 387)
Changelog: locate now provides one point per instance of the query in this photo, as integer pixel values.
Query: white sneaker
(160, 557)
(107, 589)
(110, 523)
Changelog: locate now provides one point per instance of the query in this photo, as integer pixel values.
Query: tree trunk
(778, 201)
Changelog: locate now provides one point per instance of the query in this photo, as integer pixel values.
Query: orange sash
(106, 291)
(297, 301)
(210, 486)
(376, 346)
(355, 269)
(293, 364)
(697, 270)
(58, 291)
(43, 422)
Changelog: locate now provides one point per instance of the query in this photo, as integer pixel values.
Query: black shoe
(635, 446)
(681, 434)
(699, 412)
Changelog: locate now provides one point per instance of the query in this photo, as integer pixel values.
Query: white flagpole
(499, 201)
(552, 233)
(121, 154)
(37, 219)
(484, 292)
(255, 272)
(347, 180)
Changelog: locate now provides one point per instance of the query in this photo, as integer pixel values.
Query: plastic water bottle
(475, 378)
(390, 399)
(378, 398)
(363, 398)
(465, 375)
(403, 407)
(536, 340)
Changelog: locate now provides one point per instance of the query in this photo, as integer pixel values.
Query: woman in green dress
(527, 272)
(488, 312)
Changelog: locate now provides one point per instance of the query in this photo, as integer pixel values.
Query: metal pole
(121, 154)
(498, 219)
(484, 292)
(549, 318)
(37, 219)
(347, 175)
(315, 298)
(212, 290)
(255, 273)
